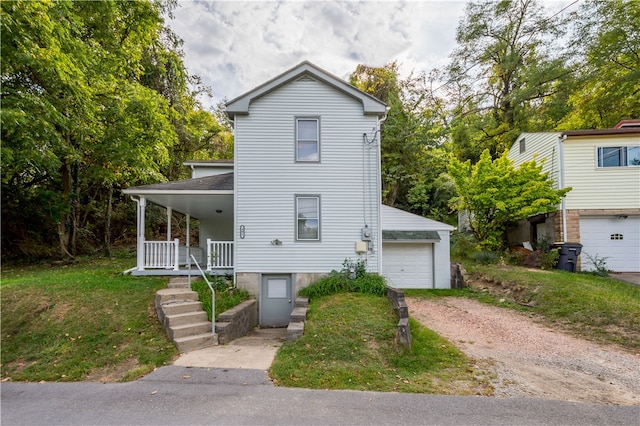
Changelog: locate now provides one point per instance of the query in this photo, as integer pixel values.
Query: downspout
(561, 140)
(379, 189)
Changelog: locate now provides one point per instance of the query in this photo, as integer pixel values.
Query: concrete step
(181, 307)
(189, 329)
(298, 315)
(185, 318)
(295, 330)
(301, 302)
(169, 295)
(198, 341)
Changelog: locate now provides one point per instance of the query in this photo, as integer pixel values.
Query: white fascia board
(182, 192)
(371, 105)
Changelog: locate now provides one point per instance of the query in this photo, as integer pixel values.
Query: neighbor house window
(307, 218)
(308, 139)
(618, 156)
(523, 147)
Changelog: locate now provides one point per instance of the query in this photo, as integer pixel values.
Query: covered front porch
(208, 199)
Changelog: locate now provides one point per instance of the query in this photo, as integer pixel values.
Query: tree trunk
(107, 227)
(63, 236)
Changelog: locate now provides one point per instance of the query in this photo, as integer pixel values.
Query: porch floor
(180, 272)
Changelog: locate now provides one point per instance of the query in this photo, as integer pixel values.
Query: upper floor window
(618, 156)
(523, 147)
(307, 218)
(308, 139)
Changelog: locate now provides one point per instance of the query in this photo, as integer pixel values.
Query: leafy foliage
(227, 296)
(95, 98)
(352, 278)
(497, 195)
(503, 71)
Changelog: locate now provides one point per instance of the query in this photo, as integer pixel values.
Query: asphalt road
(190, 396)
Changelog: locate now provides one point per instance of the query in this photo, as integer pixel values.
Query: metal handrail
(213, 295)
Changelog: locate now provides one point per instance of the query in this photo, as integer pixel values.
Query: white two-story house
(602, 211)
(301, 196)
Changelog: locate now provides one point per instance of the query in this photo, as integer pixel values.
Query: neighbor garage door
(614, 238)
(408, 265)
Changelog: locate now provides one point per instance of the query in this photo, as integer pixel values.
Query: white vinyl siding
(599, 187)
(267, 180)
(541, 146)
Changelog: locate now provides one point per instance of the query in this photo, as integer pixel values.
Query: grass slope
(80, 322)
(349, 343)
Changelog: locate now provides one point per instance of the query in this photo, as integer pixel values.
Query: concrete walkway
(630, 277)
(255, 351)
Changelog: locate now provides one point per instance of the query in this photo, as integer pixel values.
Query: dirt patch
(529, 359)
(115, 373)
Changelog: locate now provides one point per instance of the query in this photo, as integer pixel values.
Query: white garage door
(408, 265)
(614, 238)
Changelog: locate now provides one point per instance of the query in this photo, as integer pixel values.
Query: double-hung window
(308, 139)
(618, 156)
(307, 218)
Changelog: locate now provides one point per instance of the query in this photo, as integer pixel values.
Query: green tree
(496, 195)
(607, 48)
(93, 99)
(411, 130)
(503, 70)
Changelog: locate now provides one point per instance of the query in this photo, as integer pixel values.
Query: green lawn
(349, 343)
(84, 321)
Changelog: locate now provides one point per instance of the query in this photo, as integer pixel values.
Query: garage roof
(393, 219)
(426, 236)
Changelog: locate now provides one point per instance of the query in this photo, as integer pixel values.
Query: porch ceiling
(202, 198)
(199, 206)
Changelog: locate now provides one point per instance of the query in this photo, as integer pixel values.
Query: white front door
(408, 265)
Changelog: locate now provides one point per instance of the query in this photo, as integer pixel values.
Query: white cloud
(235, 46)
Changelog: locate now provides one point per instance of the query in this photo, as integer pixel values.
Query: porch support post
(169, 214)
(188, 239)
(141, 214)
(176, 257)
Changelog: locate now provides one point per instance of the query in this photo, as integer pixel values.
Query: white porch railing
(161, 254)
(219, 254)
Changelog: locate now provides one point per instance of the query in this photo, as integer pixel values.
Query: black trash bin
(568, 258)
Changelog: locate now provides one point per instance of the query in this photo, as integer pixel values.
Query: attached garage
(615, 237)
(415, 250)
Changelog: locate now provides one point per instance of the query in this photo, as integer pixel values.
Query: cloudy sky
(235, 46)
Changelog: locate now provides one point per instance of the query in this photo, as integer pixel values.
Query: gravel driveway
(529, 359)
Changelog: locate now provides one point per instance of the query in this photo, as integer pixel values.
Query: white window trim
(317, 140)
(318, 203)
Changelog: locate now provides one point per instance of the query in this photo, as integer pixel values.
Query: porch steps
(181, 314)
(298, 318)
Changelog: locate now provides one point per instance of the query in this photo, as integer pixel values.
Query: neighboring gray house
(301, 195)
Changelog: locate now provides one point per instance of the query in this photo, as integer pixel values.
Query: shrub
(342, 282)
(463, 245)
(227, 296)
(485, 257)
(599, 263)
